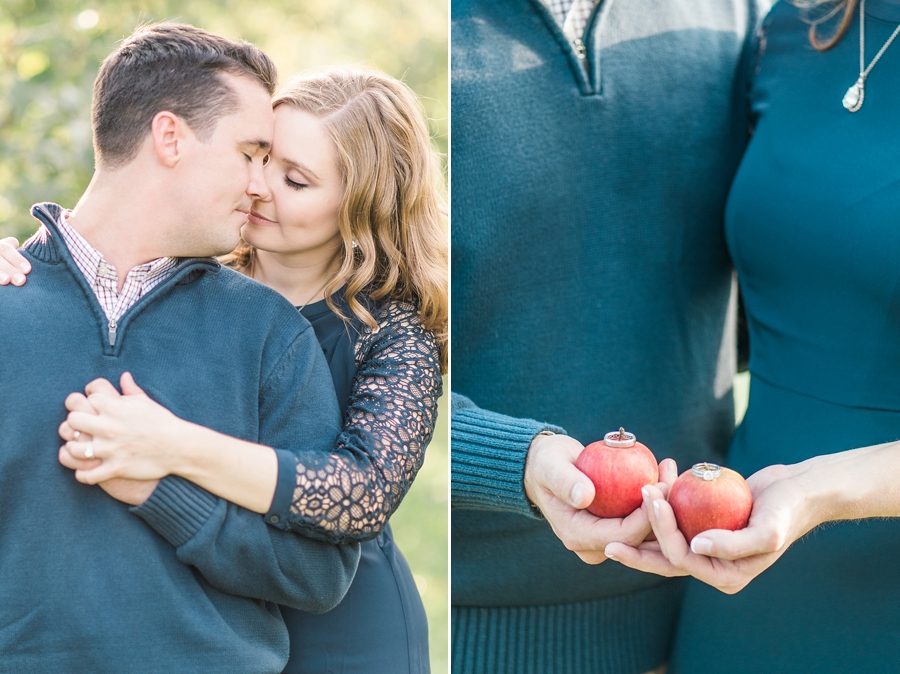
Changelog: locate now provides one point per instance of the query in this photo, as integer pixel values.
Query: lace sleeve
(349, 495)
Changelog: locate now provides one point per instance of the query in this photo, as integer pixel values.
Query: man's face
(220, 178)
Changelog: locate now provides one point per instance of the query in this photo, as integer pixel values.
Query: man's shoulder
(233, 288)
(252, 310)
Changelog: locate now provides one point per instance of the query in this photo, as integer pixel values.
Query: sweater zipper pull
(112, 333)
(580, 50)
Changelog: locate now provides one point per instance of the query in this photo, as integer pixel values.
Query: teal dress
(813, 227)
(380, 627)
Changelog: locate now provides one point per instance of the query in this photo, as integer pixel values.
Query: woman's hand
(132, 492)
(138, 441)
(13, 266)
(727, 560)
(129, 433)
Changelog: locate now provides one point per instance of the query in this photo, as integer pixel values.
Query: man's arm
(233, 548)
(236, 552)
(527, 467)
(487, 461)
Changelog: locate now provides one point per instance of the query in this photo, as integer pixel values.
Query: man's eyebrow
(301, 166)
(261, 144)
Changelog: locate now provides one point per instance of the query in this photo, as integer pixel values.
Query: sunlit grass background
(49, 54)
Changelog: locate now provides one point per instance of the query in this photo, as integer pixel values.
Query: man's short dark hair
(173, 67)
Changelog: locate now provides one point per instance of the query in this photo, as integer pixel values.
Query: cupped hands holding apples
(563, 493)
(787, 502)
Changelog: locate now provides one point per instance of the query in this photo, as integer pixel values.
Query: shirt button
(103, 270)
(274, 519)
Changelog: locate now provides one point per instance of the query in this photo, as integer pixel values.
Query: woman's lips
(260, 220)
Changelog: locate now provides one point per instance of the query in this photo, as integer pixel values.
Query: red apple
(710, 497)
(618, 466)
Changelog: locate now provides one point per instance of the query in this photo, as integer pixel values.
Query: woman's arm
(343, 496)
(139, 439)
(390, 419)
(788, 502)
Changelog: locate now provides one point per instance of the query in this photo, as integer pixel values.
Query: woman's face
(300, 212)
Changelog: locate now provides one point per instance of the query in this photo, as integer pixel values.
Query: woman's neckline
(886, 10)
(321, 306)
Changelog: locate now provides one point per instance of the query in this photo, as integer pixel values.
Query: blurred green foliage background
(50, 51)
(49, 54)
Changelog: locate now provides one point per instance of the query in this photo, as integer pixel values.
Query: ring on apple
(710, 497)
(619, 466)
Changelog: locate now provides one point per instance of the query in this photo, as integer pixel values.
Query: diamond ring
(89, 452)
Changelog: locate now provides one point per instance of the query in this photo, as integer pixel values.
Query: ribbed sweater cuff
(177, 509)
(488, 460)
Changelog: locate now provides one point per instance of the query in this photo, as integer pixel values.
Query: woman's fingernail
(656, 507)
(4, 278)
(25, 267)
(18, 278)
(645, 492)
(577, 493)
(701, 546)
(610, 556)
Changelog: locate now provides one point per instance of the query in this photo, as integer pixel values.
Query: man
(181, 581)
(593, 147)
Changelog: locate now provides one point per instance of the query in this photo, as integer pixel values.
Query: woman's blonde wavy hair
(821, 11)
(394, 202)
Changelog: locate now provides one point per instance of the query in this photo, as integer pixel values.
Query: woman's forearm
(390, 418)
(854, 484)
(242, 472)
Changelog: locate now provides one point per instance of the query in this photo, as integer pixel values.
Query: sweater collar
(48, 245)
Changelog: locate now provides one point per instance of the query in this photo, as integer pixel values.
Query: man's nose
(257, 188)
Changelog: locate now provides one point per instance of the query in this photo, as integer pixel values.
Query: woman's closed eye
(294, 185)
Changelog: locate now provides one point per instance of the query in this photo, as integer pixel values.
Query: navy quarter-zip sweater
(185, 582)
(591, 289)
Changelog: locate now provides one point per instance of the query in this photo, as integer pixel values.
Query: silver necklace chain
(300, 308)
(856, 94)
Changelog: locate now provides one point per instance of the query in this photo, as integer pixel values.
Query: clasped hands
(113, 428)
(648, 539)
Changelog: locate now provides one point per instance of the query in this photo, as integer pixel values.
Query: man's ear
(169, 135)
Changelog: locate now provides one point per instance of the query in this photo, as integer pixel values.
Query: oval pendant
(854, 97)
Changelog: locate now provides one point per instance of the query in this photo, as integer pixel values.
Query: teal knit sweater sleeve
(487, 458)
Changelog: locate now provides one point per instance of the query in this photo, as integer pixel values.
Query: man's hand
(561, 492)
(132, 492)
(13, 266)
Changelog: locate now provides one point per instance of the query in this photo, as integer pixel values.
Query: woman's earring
(353, 244)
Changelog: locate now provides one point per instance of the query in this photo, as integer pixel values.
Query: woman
(811, 227)
(351, 233)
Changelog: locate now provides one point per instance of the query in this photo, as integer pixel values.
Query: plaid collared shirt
(102, 276)
(572, 15)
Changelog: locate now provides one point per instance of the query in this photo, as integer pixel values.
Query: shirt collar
(94, 267)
